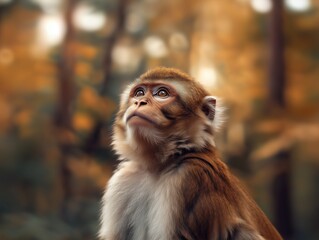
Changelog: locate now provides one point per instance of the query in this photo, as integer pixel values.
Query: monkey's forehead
(165, 73)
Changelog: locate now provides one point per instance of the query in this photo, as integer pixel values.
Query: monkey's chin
(138, 122)
(141, 132)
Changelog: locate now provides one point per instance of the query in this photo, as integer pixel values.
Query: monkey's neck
(157, 157)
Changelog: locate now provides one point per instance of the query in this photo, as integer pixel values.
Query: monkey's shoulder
(205, 170)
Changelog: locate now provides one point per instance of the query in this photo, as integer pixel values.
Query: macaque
(170, 182)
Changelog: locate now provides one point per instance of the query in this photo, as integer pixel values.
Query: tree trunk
(281, 189)
(277, 62)
(63, 117)
(92, 140)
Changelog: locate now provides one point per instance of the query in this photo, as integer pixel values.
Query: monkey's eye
(139, 92)
(162, 93)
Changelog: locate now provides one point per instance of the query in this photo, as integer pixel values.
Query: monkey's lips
(139, 119)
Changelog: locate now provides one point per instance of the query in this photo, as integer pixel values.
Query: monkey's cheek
(140, 122)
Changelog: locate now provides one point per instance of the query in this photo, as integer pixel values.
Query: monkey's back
(216, 202)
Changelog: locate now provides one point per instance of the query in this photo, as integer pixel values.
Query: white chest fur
(139, 203)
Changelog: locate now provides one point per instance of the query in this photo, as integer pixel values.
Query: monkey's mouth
(141, 116)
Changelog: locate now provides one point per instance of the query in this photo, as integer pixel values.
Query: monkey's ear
(209, 107)
(214, 111)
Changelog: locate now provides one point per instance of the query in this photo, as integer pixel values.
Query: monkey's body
(170, 184)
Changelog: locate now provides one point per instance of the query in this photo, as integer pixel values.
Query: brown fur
(215, 203)
(165, 73)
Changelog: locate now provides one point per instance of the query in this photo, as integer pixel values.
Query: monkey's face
(146, 104)
(150, 111)
(163, 112)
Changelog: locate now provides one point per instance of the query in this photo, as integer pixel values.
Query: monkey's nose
(141, 102)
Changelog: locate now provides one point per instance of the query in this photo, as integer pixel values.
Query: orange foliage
(88, 98)
(86, 51)
(23, 121)
(5, 115)
(82, 69)
(87, 168)
(82, 122)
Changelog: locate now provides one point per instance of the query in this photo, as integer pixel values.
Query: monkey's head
(164, 112)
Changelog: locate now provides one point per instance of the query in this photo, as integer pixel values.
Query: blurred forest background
(64, 63)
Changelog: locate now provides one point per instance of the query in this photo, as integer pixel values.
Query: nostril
(143, 102)
(140, 102)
